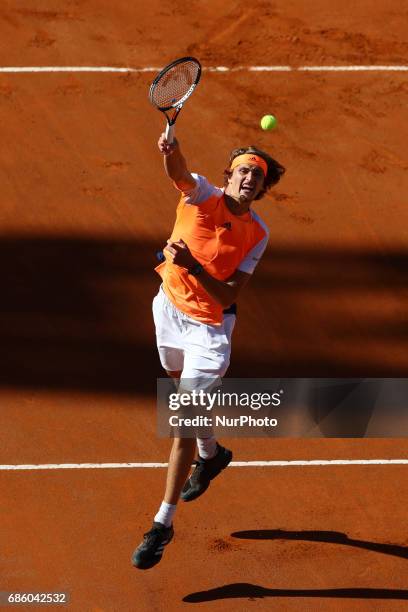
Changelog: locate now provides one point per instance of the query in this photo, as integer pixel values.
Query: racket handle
(170, 133)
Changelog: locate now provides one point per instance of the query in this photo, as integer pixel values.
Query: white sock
(165, 514)
(207, 447)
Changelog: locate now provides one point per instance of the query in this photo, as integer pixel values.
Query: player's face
(246, 182)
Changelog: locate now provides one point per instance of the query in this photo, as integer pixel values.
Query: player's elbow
(229, 297)
(225, 303)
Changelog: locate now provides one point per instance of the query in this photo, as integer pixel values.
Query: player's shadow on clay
(249, 591)
(331, 537)
(254, 591)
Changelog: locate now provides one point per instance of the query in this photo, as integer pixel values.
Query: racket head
(175, 83)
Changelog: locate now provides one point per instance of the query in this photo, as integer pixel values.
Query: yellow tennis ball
(268, 122)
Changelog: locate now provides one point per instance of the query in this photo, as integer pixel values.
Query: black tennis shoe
(150, 551)
(205, 470)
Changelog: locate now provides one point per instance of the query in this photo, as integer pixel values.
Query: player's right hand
(165, 147)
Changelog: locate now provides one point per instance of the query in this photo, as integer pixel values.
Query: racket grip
(170, 133)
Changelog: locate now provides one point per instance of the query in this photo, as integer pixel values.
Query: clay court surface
(84, 207)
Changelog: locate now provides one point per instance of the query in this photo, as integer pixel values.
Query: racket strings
(174, 84)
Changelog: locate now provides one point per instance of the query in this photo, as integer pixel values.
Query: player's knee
(173, 374)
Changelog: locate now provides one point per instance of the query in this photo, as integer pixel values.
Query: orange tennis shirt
(219, 240)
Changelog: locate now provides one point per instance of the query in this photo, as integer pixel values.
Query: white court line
(104, 466)
(74, 69)
(353, 68)
(33, 69)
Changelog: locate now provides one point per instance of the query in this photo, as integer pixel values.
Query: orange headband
(250, 158)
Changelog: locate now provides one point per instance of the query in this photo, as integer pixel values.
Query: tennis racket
(172, 87)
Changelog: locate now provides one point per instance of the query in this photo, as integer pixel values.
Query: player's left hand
(179, 254)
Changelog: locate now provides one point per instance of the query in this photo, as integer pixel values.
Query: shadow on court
(331, 537)
(76, 314)
(254, 591)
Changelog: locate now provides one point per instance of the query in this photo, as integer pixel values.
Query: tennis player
(216, 243)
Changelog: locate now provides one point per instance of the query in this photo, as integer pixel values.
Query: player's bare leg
(150, 551)
(181, 458)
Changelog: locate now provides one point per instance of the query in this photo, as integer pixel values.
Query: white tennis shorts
(186, 345)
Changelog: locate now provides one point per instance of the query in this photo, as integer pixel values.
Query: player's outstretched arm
(175, 164)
